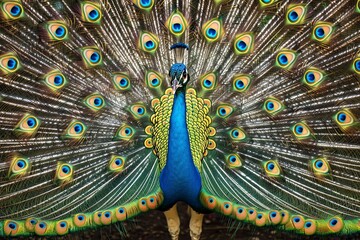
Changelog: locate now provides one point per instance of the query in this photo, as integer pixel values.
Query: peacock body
(257, 119)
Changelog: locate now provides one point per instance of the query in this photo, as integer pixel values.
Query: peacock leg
(195, 225)
(173, 222)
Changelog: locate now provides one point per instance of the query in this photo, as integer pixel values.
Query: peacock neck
(180, 179)
(179, 154)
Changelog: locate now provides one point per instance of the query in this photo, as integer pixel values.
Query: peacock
(246, 108)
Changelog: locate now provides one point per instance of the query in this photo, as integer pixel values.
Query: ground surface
(152, 226)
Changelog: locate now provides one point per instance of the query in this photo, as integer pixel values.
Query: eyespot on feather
(9, 63)
(286, 59)
(298, 222)
(153, 79)
(30, 224)
(267, 3)
(75, 130)
(344, 119)
(177, 23)
(28, 125)
(97, 218)
(226, 208)
(19, 166)
(143, 205)
(356, 64)
(301, 131)
(148, 42)
(125, 132)
(91, 12)
(145, 5)
(275, 217)
(117, 163)
(138, 110)
(272, 168)
(211, 145)
(241, 82)
(211, 131)
(213, 30)
(295, 14)
(285, 217)
(313, 77)
(64, 172)
(11, 228)
(121, 81)
(322, 32)
(62, 227)
(310, 227)
(41, 228)
(57, 30)
(261, 218)
(335, 224)
(55, 80)
(320, 167)
(210, 202)
(252, 213)
(237, 134)
(95, 102)
(273, 106)
(91, 56)
(152, 202)
(240, 213)
(121, 213)
(244, 43)
(233, 161)
(209, 81)
(106, 217)
(12, 10)
(224, 110)
(80, 220)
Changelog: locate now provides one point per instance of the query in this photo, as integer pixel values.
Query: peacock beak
(175, 85)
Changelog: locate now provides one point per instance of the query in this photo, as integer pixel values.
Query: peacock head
(178, 73)
(179, 76)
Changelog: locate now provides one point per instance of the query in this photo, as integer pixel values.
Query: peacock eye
(145, 5)
(244, 43)
(91, 56)
(148, 42)
(322, 31)
(116, 163)
(91, 12)
(295, 14)
(272, 168)
(266, 3)
(55, 80)
(313, 77)
(95, 102)
(12, 9)
(9, 63)
(125, 132)
(301, 131)
(213, 30)
(208, 81)
(57, 30)
(286, 59)
(138, 110)
(273, 106)
(320, 166)
(177, 23)
(75, 130)
(344, 118)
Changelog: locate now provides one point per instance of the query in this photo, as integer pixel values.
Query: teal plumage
(245, 108)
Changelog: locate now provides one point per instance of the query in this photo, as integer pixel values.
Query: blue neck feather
(180, 179)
